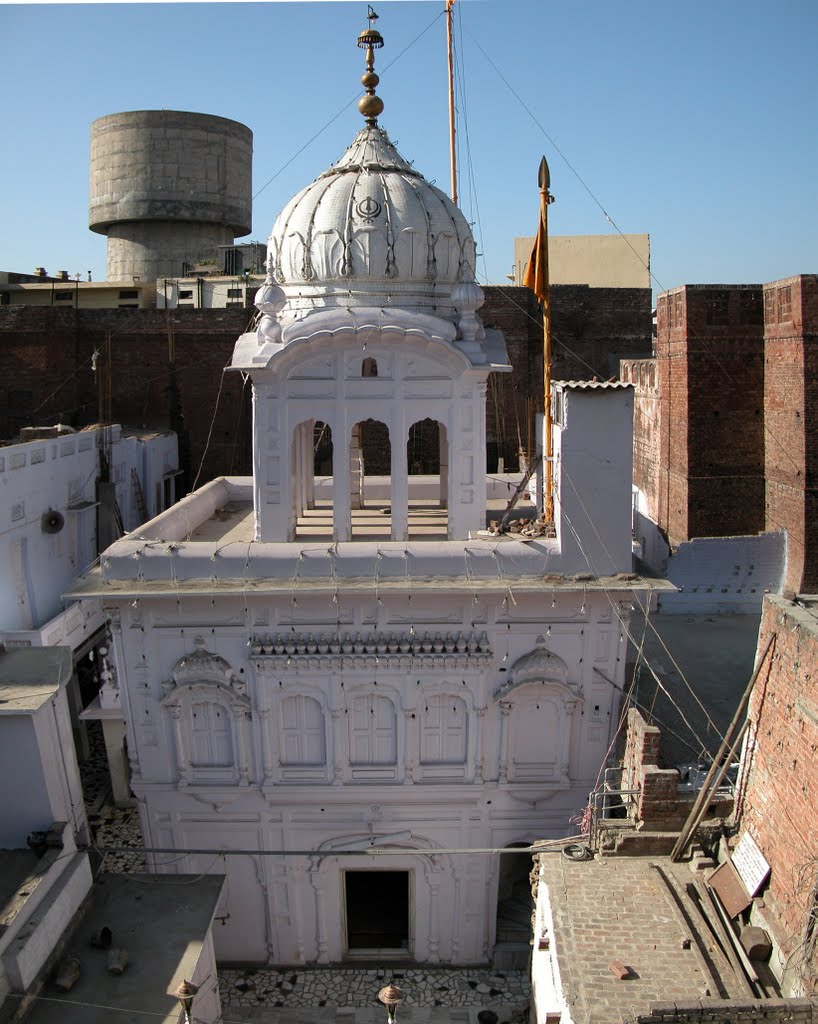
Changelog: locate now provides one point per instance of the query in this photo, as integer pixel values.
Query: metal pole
(452, 151)
(545, 201)
(727, 748)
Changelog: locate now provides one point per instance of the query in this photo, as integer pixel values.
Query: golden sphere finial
(370, 40)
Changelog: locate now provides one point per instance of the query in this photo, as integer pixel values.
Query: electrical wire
(210, 430)
(710, 348)
(684, 679)
(334, 118)
(702, 744)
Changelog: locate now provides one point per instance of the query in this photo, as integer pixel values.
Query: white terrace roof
(202, 546)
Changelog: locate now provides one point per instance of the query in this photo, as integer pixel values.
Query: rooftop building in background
(168, 187)
(600, 261)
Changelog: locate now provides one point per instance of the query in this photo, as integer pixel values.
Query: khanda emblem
(368, 209)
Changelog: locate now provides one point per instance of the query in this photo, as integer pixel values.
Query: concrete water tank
(167, 187)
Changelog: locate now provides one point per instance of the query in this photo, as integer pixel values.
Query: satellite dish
(52, 521)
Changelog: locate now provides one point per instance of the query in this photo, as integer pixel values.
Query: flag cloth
(536, 273)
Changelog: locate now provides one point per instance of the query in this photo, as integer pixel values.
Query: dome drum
(369, 228)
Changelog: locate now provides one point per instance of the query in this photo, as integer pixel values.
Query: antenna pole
(452, 151)
(544, 180)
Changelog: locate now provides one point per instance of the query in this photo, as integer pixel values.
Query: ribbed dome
(368, 231)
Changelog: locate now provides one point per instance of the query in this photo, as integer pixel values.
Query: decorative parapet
(387, 650)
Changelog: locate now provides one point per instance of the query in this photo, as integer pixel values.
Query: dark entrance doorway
(377, 906)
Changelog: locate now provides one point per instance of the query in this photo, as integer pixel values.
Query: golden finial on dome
(370, 40)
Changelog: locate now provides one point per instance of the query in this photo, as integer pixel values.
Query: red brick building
(165, 368)
(791, 422)
(777, 797)
(726, 435)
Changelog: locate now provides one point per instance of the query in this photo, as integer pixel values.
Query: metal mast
(452, 151)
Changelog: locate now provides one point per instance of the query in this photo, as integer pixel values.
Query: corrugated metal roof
(584, 385)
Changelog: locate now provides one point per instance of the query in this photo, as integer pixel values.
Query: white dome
(369, 231)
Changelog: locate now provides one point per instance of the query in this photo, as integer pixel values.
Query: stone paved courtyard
(506, 991)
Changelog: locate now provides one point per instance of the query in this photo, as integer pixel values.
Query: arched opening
(427, 459)
(311, 462)
(515, 906)
(322, 448)
(369, 367)
(370, 466)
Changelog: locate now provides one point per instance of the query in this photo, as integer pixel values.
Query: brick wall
(658, 804)
(591, 330)
(647, 410)
(47, 369)
(166, 371)
(710, 350)
(732, 1011)
(778, 796)
(791, 417)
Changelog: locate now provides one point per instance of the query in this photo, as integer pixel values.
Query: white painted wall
(520, 769)
(37, 750)
(25, 808)
(593, 469)
(36, 931)
(60, 474)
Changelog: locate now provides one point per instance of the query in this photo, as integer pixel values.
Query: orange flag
(536, 273)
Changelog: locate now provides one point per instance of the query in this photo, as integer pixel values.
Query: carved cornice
(385, 651)
(277, 663)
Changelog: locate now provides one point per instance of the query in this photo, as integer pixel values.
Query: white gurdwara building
(342, 681)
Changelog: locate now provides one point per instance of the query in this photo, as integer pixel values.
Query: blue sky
(694, 122)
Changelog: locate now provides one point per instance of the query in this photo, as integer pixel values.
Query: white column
(341, 523)
(298, 450)
(505, 712)
(113, 731)
(444, 465)
(309, 464)
(399, 490)
(479, 724)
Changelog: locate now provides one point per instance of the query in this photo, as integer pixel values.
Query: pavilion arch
(427, 454)
(311, 454)
(362, 432)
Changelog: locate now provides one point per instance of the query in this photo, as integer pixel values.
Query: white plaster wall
(593, 460)
(24, 808)
(35, 477)
(55, 742)
(58, 473)
(289, 909)
(724, 574)
(38, 748)
(36, 934)
(547, 995)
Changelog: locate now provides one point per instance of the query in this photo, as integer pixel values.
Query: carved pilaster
(412, 768)
(181, 762)
(321, 942)
(339, 745)
(505, 714)
(479, 726)
(433, 940)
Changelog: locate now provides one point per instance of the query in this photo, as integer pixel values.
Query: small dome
(371, 229)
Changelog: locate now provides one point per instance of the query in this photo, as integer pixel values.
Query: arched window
(369, 367)
(211, 740)
(444, 730)
(534, 740)
(372, 731)
(302, 732)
